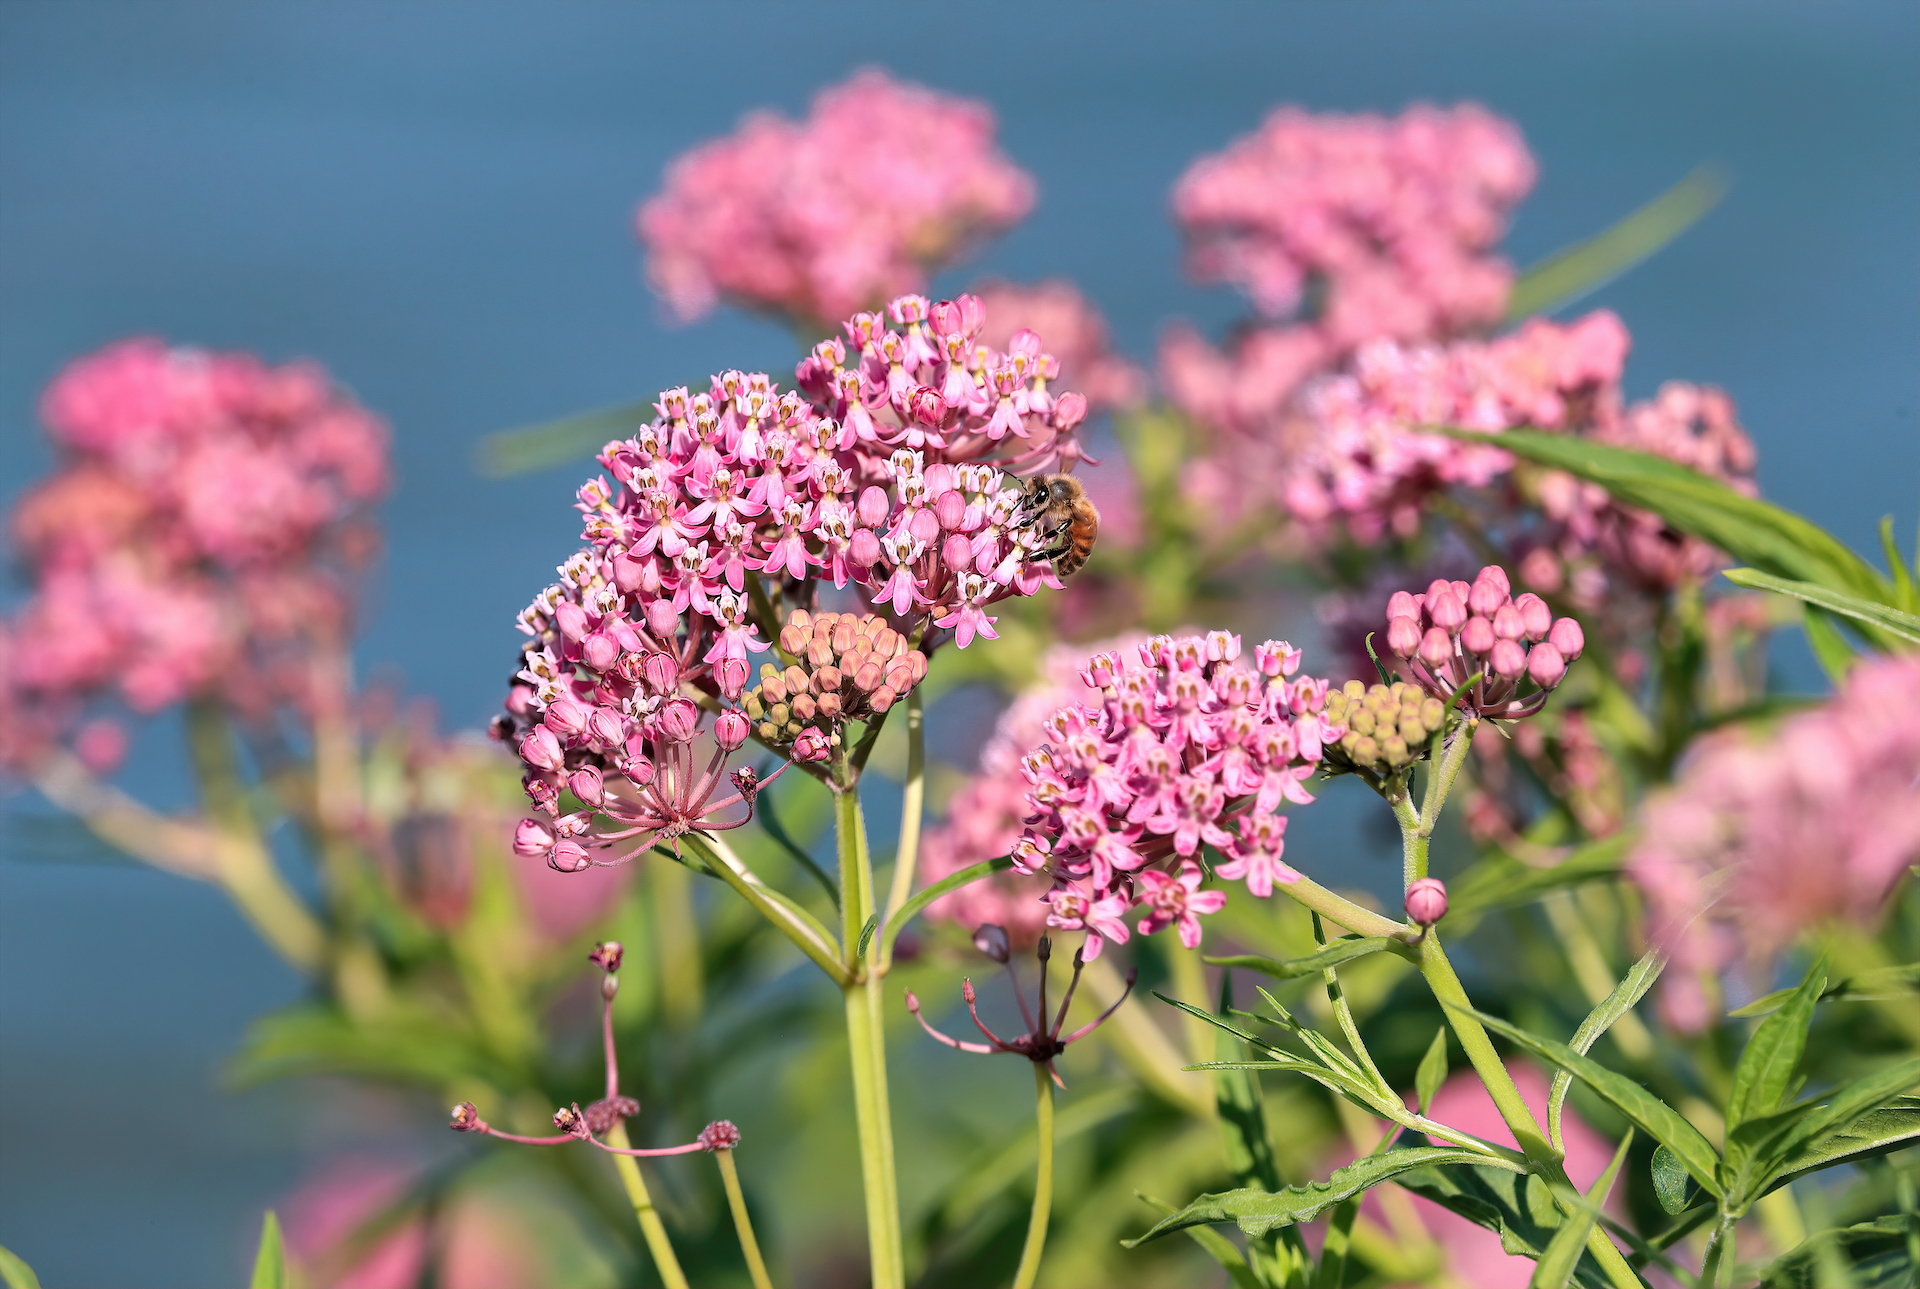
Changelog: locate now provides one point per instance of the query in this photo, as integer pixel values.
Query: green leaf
(945, 886)
(1432, 1071)
(1673, 1185)
(1567, 275)
(1218, 1247)
(1769, 537)
(1773, 1053)
(1519, 1209)
(1555, 1269)
(1831, 648)
(1649, 1113)
(867, 929)
(1904, 625)
(270, 1262)
(1906, 593)
(1243, 1118)
(14, 1271)
(1345, 949)
(1772, 1142)
(536, 447)
(1868, 986)
(1893, 1126)
(1256, 1211)
(1500, 881)
(1874, 1253)
(1631, 989)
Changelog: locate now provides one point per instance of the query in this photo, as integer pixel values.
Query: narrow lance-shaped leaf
(1882, 982)
(1649, 1113)
(1892, 1127)
(1343, 950)
(270, 1260)
(1631, 989)
(14, 1271)
(1432, 1071)
(1773, 1053)
(1243, 1120)
(1217, 1246)
(1902, 624)
(946, 886)
(1555, 1268)
(1774, 1141)
(1584, 267)
(1256, 1212)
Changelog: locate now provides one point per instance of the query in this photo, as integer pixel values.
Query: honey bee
(1057, 504)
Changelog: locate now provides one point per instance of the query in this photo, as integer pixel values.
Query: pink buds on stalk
(607, 954)
(812, 746)
(730, 730)
(1426, 901)
(719, 1135)
(1453, 632)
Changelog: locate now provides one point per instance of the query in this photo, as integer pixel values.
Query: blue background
(435, 201)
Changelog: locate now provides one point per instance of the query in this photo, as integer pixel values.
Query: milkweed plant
(1642, 1012)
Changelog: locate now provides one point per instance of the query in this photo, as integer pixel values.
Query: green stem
(912, 806)
(1339, 909)
(1452, 996)
(1717, 1269)
(1042, 1182)
(742, 1224)
(866, 1042)
(794, 922)
(676, 934)
(650, 1226)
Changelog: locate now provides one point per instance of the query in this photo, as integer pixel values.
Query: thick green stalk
(676, 937)
(1336, 908)
(742, 1224)
(866, 1041)
(650, 1226)
(1042, 1181)
(794, 922)
(913, 799)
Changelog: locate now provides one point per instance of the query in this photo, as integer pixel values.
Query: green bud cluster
(1386, 724)
(846, 667)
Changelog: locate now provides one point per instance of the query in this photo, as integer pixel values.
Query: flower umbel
(1041, 1043)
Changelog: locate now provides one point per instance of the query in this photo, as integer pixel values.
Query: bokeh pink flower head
(882, 183)
(1764, 836)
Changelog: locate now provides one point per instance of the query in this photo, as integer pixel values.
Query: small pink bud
(599, 651)
(950, 509)
(1507, 658)
(661, 673)
(874, 507)
(1448, 610)
(1568, 638)
(883, 698)
(466, 1119)
(793, 638)
(1477, 635)
(1427, 901)
(731, 675)
(531, 839)
(629, 573)
(945, 317)
(635, 767)
(719, 1135)
(924, 526)
(927, 406)
(1534, 614)
(568, 857)
(606, 955)
(992, 941)
(864, 547)
(571, 619)
(1403, 604)
(606, 727)
(1069, 410)
(1436, 647)
(1490, 591)
(663, 620)
(520, 700)
(541, 750)
(730, 729)
(678, 721)
(1509, 623)
(956, 552)
(812, 745)
(587, 785)
(966, 990)
(566, 718)
(1403, 636)
(1546, 665)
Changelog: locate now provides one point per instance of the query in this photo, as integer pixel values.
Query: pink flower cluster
(1076, 333)
(890, 475)
(987, 814)
(195, 540)
(881, 184)
(1762, 837)
(1185, 748)
(1455, 632)
(1389, 222)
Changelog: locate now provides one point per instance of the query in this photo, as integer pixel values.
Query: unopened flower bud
(731, 675)
(730, 730)
(793, 638)
(532, 839)
(950, 509)
(568, 857)
(1402, 604)
(1427, 901)
(1534, 615)
(635, 768)
(805, 707)
(863, 548)
(868, 677)
(679, 721)
(1490, 591)
(661, 673)
(1069, 410)
(719, 1135)
(924, 527)
(663, 619)
(1447, 610)
(1508, 659)
(1546, 665)
(606, 955)
(1436, 647)
(605, 727)
(956, 552)
(1476, 636)
(587, 785)
(1403, 636)
(1509, 623)
(1568, 638)
(466, 1119)
(992, 941)
(873, 507)
(572, 620)
(883, 698)
(812, 745)
(566, 718)
(541, 750)
(797, 680)
(829, 706)
(599, 651)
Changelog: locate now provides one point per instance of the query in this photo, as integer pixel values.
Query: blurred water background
(435, 201)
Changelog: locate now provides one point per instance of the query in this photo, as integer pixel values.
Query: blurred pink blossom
(1766, 835)
(884, 182)
(1076, 335)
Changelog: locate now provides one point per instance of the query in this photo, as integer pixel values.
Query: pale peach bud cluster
(846, 667)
